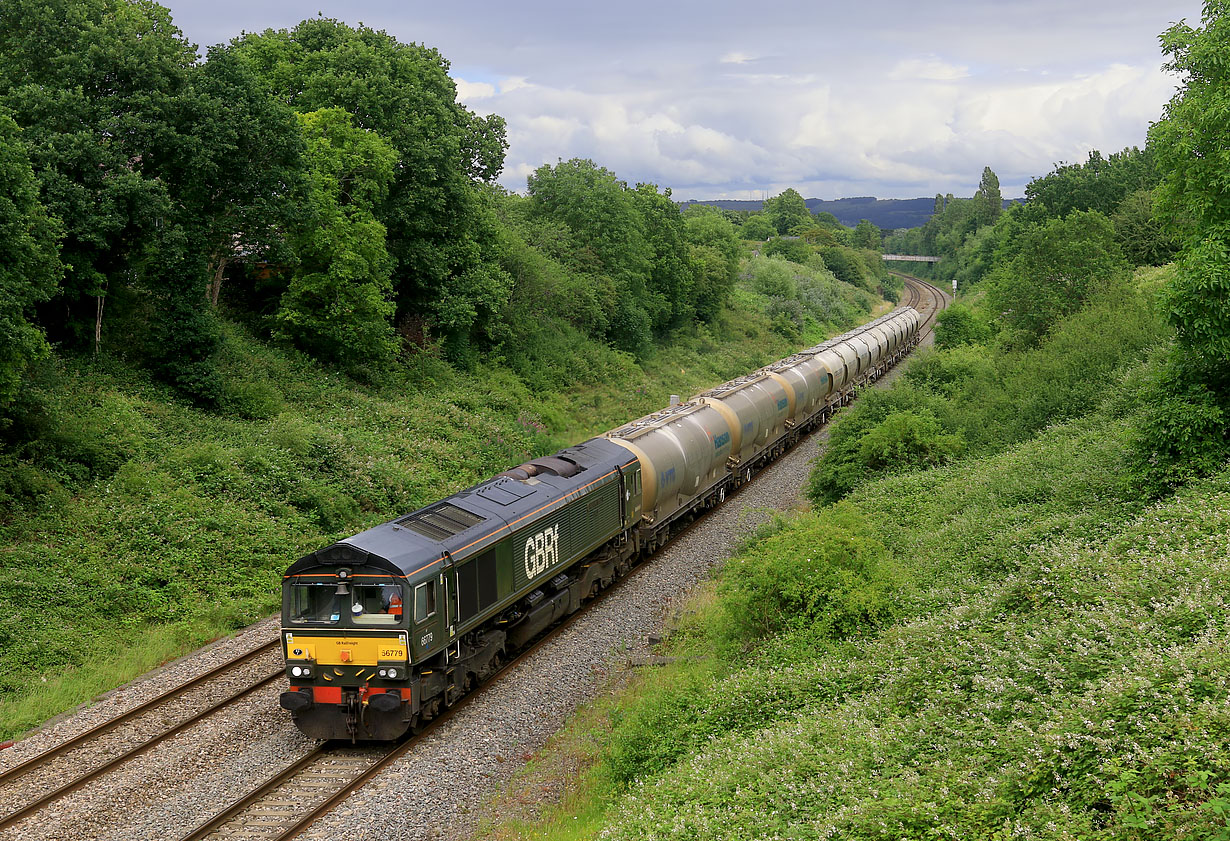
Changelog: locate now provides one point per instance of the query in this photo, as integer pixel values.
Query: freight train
(383, 630)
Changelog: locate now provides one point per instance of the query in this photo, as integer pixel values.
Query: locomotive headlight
(392, 674)
(297, 671)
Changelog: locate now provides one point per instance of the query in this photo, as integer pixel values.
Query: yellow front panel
(333, 651)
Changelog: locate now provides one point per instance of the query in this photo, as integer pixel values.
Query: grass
(1055, 668)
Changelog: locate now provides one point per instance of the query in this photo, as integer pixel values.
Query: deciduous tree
(787, 210)
(402, 92)
(337, 306)
(236, 165)
(29, 263)
(94, 86)
(758, 226)
(1054, 267)
(1192, 144)
(867, 235)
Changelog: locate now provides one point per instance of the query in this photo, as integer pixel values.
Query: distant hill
(885, 214)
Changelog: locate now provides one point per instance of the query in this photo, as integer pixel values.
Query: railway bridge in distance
(918, 258)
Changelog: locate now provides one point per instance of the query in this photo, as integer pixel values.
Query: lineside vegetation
(1005, 615)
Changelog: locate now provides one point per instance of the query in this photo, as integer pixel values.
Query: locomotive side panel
(554, 542)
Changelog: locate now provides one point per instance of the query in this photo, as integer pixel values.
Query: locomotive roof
(472, 520)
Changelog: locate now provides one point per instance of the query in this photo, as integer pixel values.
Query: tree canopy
(337, 306)
(402, 92)
(988, 200)
(787, 210)
(1192, 144)
(1053, 269)
(30, 267)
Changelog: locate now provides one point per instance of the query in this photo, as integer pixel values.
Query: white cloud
(930, 68)
(469, 91)
(894, 98)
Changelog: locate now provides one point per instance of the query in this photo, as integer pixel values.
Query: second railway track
(39, 781)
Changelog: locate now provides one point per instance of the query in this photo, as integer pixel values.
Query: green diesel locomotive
(383, 629)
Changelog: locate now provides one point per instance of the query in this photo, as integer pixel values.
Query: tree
(988, 200)
(959, 325)
(848, 267)
(758, 226)
(607, 227)
(1145, 238)
(95, 94)
(787, 210)
(1054, 268)
(402, 92)
(714, 245)
(670, 274)
(867, 235)
(337, 306)
(794, 250)
(236, 165)
(1192, 144)
(29, 263)
(1101, 183)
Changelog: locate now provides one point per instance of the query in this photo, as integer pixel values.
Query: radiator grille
(441, 521)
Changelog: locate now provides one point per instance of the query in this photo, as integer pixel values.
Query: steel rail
(94, 774)
(39, 759)
(395, 752)
(401, 748)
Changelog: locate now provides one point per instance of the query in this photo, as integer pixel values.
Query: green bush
(846, 463)
(1184, 427)
(826, 574)
(908, 441)
(794, 250)
(958, 325)
(332, 509)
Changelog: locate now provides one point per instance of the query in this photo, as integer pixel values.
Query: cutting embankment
(1017, 641)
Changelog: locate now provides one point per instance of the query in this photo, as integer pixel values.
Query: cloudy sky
(722, 99)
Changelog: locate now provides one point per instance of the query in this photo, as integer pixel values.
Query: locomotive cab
(346, 625)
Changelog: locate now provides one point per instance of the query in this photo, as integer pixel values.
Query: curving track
(925, 297)
(286, 804)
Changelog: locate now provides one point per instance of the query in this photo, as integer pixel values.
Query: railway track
(287, 803)
(57, 772)
(925, 297)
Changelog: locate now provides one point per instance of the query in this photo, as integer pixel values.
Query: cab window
(424, 601)
(317, 602)
(376, 604)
